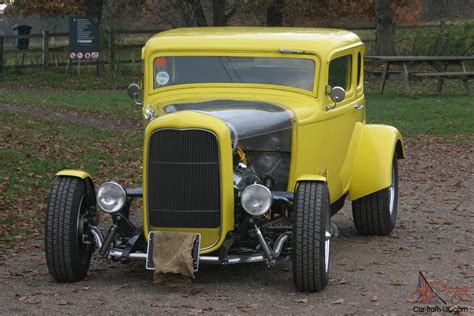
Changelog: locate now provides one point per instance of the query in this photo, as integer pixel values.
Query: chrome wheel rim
(327, 244)
(80, 220)
(84, 249)
(391, 192)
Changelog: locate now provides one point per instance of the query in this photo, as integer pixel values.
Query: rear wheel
(311, 237)
(376, 213)
(68, 252)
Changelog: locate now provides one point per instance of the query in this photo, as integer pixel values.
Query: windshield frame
(153, 90)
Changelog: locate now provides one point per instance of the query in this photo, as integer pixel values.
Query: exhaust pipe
(271, 254)
(98, 237)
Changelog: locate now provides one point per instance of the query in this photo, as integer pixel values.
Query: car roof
(313, 40)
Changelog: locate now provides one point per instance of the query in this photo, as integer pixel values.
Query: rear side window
(340, 72)
(359, 68)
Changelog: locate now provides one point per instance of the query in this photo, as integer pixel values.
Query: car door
(344, 70)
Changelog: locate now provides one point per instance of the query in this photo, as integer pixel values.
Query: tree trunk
(199, 17)
(94, 8)
(385, 28)
(275, 13)
(218, 13)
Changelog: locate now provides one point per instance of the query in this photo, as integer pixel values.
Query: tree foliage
(192, 12)
(48, 7)
(69, 7)
(402, 10)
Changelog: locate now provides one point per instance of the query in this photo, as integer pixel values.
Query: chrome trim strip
(133, 255)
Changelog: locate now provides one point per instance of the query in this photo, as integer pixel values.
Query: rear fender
(373, 164)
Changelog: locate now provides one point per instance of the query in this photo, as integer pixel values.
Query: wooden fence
(41, 53)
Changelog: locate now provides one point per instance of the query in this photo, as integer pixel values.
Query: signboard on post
(84, 38)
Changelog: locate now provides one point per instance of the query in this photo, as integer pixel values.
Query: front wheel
(311, 236)
(68, 253)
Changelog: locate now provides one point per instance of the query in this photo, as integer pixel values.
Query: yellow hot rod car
(254, 138)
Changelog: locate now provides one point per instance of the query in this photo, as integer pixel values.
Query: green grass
(111, 103)
(105, 95)
(447, 115)
(56, 79)
(34, 149)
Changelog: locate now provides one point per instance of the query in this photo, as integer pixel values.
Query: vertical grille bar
(184, 179)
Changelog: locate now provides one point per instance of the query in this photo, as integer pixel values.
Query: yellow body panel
(212, 239)
(74, 173)
(373, 166)
(320, 42)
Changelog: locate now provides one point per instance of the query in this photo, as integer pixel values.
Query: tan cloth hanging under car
(172, 257)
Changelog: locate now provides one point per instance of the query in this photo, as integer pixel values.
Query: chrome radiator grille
(184, 179)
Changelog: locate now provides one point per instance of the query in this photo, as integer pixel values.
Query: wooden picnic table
(438, 63)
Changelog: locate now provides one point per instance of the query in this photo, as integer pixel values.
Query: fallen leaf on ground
(397, 283)
(302, 300)
(196, 311)
(195, 291)
(32, 300)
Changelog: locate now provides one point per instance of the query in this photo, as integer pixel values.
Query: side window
(340, 72)
(359, 68)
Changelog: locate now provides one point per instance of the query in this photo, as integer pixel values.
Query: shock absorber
(104, 250)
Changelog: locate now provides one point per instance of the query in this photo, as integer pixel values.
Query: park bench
(464, 76)
(438, 63)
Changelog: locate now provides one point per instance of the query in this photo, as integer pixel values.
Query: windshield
(290, 72)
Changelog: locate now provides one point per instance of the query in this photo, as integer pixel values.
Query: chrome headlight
(111, 197)
(256, 199)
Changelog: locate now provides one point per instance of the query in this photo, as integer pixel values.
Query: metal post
(1, 51)
(97, 67)
(69, 67)
(45, 49)
(111, 49)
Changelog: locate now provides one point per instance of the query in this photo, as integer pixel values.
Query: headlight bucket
(111, 197)
(256, 199)
(149, 114)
